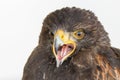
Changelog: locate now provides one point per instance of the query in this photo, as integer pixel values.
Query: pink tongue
(63, 52)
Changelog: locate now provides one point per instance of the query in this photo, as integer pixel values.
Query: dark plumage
(89, 54)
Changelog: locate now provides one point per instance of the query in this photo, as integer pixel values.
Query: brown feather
(94, 58)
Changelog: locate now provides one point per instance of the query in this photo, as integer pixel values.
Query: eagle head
(71, 30)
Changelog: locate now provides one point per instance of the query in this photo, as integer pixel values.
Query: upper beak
(63, 46)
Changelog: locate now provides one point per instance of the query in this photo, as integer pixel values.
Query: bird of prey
(73, 45)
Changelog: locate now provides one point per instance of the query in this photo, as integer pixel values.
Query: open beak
(63, 46)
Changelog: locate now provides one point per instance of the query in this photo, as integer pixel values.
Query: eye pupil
(51, 33)
(78, 33)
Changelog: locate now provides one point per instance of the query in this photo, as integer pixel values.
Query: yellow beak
(63, 46)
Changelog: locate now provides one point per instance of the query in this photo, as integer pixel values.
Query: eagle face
(72, 30)
(65, 44)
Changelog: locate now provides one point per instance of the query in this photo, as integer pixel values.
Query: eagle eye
(78, 34)
(51, 33)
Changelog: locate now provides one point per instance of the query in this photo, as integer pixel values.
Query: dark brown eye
(51, 33)
(79, 34)
(51, 37)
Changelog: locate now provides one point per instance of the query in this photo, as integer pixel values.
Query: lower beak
(62, 47)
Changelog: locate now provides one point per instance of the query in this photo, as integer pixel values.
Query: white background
(21, 21)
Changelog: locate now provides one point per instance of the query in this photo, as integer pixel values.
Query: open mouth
(64, 50)
(63, 46)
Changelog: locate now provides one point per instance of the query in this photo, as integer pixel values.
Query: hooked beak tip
(58, 63)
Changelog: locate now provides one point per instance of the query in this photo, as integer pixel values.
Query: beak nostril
(62, 36)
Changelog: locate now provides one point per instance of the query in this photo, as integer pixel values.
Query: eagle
(73, 45)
